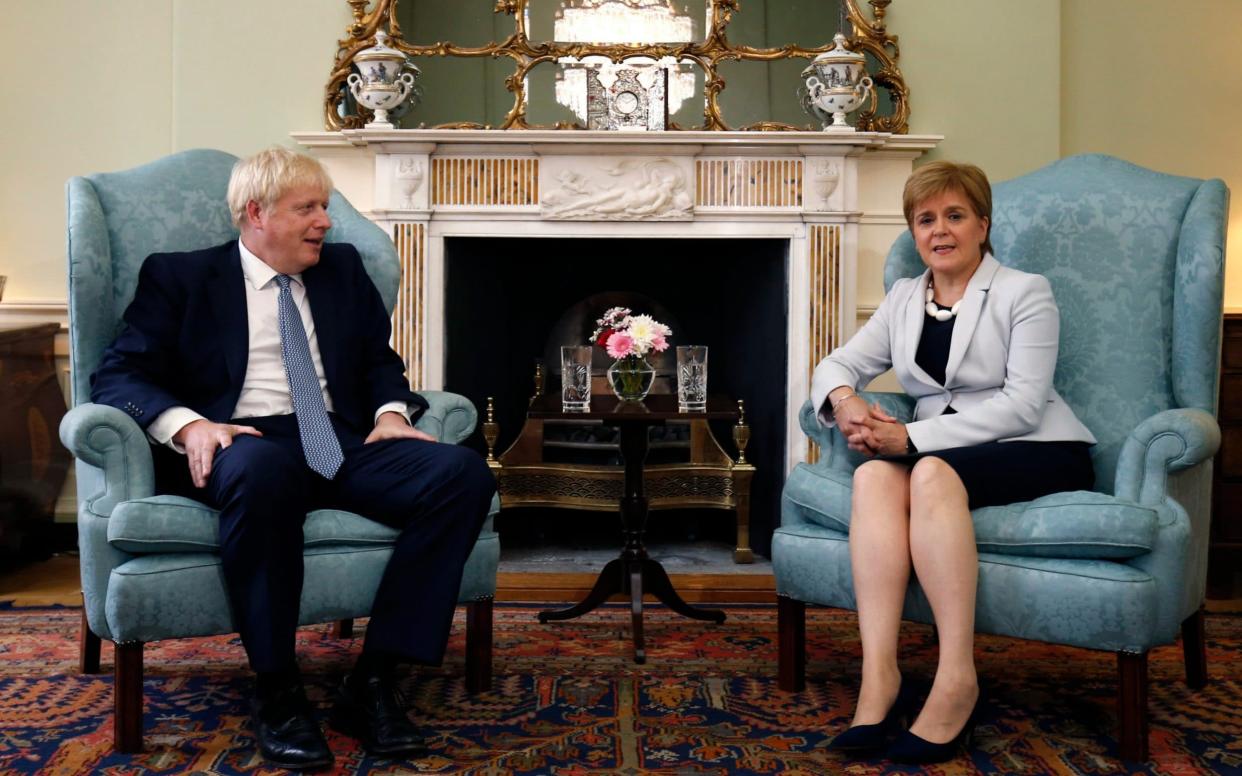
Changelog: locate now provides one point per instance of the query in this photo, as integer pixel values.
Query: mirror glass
(762, 91)
(460, 89)
(687, 112)
(884, 98)
(776, 23)
(558, 92)
(466, 88)
(616, 21)
(467, 23)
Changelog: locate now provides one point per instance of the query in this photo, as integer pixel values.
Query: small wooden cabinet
(1225, 558)
(33, 463)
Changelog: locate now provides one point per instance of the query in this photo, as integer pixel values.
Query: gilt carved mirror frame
(868, 35)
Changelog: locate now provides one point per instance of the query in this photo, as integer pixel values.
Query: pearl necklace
(936, 312)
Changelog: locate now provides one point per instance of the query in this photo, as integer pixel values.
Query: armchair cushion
(1072, 524)
(160, 524)
(1075, 524)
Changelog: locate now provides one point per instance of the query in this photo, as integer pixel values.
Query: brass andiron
(538, 381)
(742, 474)
(491, 430)
(741, 432)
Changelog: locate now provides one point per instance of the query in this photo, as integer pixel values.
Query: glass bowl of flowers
(628, 338)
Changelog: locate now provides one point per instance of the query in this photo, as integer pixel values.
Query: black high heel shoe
(864, 739)
(909, 748)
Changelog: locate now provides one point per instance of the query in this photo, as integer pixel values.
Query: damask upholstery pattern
(1115, 256)
(1135, 259)
(142, 553)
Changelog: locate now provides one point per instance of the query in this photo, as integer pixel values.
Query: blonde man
(261, 372)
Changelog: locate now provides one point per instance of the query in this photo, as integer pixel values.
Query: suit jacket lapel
(227, 291)
(323, 312)
(968, 314)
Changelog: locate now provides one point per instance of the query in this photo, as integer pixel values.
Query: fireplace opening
(509, 301)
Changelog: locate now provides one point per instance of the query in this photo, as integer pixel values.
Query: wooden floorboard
(47, 583)
(56, 582)
(695, 588)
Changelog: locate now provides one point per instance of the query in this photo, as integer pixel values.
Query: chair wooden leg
(791, 643)
(127, 698)
(479, 645)
(88, 648)
(1132, 706)
(342, 629)
(1195, 649)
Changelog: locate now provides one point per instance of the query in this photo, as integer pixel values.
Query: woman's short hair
(935, 178)
(269, 175)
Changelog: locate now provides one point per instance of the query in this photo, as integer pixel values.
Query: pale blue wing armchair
(150, 568)
(1136, 260)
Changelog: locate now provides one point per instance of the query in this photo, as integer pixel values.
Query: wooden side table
(633, 572)
(33, 463)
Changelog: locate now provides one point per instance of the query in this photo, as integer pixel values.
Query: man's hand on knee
(201, 438)
(393, 425)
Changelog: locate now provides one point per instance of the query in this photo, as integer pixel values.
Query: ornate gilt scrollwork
(869, 35)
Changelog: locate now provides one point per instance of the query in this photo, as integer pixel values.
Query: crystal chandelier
(621, 22)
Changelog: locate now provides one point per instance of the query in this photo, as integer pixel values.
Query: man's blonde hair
(936, 178)
(269, 175)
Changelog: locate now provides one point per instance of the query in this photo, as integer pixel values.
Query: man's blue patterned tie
(319, 442)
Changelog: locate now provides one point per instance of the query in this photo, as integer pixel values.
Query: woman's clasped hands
(867, 428)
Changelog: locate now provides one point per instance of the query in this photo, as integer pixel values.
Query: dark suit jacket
(186, 341)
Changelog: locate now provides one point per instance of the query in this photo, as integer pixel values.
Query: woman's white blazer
(1001, 359)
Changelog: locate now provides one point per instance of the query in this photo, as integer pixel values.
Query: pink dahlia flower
(658, 343)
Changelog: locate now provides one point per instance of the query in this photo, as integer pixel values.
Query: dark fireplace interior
(508, 300)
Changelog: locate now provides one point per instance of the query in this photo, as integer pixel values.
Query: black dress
(1000, 472)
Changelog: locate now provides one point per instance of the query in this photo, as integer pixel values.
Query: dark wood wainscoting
(1225, 559)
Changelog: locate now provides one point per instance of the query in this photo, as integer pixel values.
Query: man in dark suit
(261, 370)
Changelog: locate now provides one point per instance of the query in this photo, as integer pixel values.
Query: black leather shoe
(869, 739)
(370, 709)
(286, 730)
(909, 748)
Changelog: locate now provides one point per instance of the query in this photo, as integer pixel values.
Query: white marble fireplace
(836, 199)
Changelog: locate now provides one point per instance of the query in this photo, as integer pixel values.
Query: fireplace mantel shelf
(572, 141)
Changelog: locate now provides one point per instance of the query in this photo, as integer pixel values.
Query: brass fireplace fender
(710, 480)
(869, 35)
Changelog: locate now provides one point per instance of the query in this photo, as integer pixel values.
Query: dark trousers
(436, 494)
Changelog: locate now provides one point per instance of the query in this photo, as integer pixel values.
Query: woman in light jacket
(976, 344)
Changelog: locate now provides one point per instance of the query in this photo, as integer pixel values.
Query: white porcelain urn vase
(384, 81)
(835, 83)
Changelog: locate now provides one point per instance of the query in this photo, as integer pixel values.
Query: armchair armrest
(450, 418)
(834, 452)
(1174, 442)
(109, 440)
(1166, 442)
(114, 465)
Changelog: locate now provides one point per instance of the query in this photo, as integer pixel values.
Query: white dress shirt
(265, 390)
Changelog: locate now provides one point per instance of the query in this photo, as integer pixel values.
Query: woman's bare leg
(880, 563)
(942, 547)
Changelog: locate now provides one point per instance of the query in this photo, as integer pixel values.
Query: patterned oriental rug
(567, 700)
